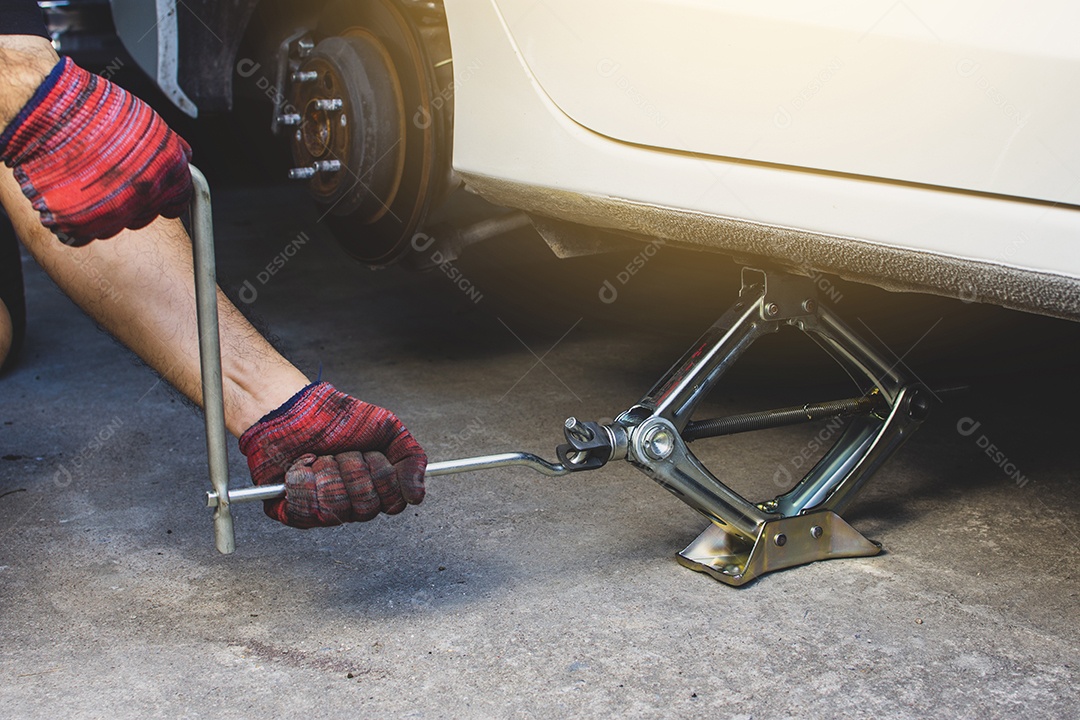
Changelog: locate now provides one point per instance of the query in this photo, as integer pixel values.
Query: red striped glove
(94, 159)
(341, 459)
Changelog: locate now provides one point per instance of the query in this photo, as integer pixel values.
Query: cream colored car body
(915, 145)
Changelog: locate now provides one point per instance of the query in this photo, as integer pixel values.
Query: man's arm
(140, 287)
(342, 459)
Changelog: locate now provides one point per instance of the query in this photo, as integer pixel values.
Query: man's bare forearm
(140, 287)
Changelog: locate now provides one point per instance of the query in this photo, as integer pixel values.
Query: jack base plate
(782, 543)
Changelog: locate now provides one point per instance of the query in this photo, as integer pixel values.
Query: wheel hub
(316, 133)
(352, 113)
(374, 170)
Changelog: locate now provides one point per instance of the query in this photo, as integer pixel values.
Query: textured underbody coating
(806, 252)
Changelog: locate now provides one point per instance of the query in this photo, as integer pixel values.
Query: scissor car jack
(744, 539)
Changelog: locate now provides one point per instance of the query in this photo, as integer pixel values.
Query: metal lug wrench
(210, 359)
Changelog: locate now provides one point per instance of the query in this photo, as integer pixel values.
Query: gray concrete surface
(508, 595)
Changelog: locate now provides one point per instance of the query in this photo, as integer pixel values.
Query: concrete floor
(511, 595)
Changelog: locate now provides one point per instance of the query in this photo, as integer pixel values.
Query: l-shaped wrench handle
(446, 467)
(205, 270)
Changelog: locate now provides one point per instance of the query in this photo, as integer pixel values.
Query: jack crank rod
(446, 467)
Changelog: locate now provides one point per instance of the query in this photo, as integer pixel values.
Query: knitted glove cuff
(271, 444)
(301, 394)
(58, 101)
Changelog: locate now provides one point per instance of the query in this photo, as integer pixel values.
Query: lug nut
(329, 104)
(289, 119)
(327, 165)
(305, 76)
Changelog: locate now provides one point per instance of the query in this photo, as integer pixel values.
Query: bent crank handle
(447, 467)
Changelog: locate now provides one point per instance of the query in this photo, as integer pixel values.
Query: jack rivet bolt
(816, 531)
(780, 539)
(809, 305)
(329, 104)
(305, 76)
(658, 443)
(289, 119)
(772, 309)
